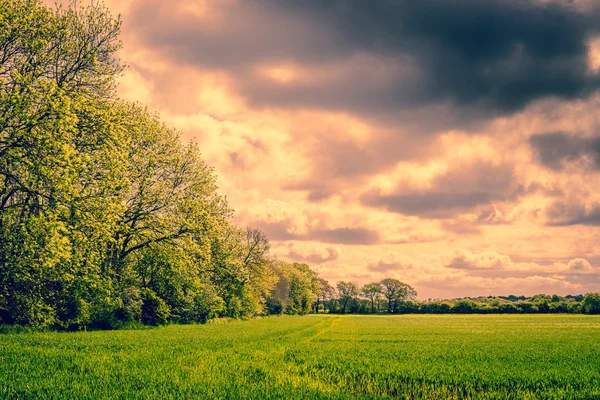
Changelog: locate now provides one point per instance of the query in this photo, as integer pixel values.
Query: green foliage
(154, 309)
(591, 303)
(314, 357)
(347, 292)
(242, 270)
(396, 292)
(372, 291)
(203, 305)
(297, 289)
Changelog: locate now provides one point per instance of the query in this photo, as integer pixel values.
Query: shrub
(154, 309)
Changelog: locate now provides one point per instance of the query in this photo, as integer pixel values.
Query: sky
(454, 145)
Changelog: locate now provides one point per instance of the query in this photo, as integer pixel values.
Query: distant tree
(326, 292)
(527, 307)
(347, 292)
(435, 307)
(591, 303)
(395, 291)
(577, 298)
(465, 307)
(407, 307)
(559, 307)
(372, 291)
(296, 290)
(508, 308)
(304, 288)
(556, 299)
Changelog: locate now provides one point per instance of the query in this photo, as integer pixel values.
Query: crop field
(330, 357)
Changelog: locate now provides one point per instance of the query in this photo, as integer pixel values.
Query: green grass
(420, 356)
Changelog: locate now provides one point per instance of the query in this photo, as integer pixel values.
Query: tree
(372, 291)
(326, 292)
(465, 307)
(591, 303)
(171, 197)
(100, 203)
(60, 159)
(297, 289)
(242, 269)
(347, 292)
(395, 291)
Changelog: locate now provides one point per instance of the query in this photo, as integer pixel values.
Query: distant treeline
(108, 218)
(370, 300)
(390, 296)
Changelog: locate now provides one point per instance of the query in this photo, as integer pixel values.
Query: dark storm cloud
(495, 56)
(556, 149)
(500, 54)
(456, 192)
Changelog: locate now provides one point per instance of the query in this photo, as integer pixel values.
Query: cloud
(484, 286)
(495, 265)
(374, 138)
(383, 56)
(461, 226)
(283, 230)
(493, 215)
(460, 190)
(390, 261)
(345, 235)
(580, 265)
(436, 204)
(556, 149)
(311, 253)
(565, 213)
(489, 260)
(340, 160)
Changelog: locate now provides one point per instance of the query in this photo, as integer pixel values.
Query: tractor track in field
(331, 325)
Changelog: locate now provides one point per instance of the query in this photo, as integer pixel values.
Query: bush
(203, 306)
(154, 309)
(103, 312)
(465, 307)
(274, 306)
(234, 307)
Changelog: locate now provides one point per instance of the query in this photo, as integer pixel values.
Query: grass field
(412, 356)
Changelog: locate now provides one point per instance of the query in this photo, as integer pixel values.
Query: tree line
(106, 216)
(377, 298)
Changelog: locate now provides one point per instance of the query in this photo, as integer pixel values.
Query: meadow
(315, 356)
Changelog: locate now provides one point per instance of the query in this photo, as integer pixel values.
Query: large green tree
(104, 213)
(60, 152)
